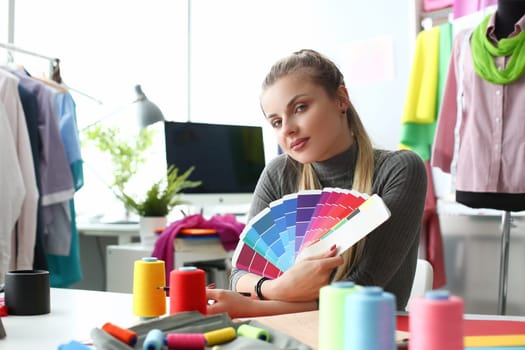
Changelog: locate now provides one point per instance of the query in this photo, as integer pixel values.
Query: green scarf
(483, 51)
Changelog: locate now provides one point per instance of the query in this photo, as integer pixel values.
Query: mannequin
(507, 14)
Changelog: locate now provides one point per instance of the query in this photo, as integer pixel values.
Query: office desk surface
(74, 313)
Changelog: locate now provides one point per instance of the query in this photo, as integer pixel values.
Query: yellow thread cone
(149, 297)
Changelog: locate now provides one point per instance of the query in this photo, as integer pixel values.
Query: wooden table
(303, 326)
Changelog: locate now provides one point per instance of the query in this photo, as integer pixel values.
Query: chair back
(422, 280)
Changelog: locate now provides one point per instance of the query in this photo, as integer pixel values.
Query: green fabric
(483, 51)
(445, 51)
(419, 137)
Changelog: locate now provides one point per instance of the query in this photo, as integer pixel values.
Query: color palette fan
(306, 223)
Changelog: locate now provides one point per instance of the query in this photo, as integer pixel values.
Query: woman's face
(310, 125)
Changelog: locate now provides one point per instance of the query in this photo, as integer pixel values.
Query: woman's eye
(276, 123)
(300, 108)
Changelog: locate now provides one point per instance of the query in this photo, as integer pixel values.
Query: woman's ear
(342, 98)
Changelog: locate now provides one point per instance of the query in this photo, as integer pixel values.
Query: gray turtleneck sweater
(390, 253)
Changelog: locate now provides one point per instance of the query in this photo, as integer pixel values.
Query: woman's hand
(237, 305)
(223, 300)
(304, 279)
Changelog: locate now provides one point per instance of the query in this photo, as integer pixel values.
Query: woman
(305, 100)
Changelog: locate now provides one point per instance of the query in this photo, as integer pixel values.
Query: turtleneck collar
(335, 171)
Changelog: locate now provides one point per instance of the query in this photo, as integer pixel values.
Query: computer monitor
(228, 159)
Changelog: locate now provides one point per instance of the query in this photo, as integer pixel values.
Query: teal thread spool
(331, 314)
(370, 321)
(246, 330)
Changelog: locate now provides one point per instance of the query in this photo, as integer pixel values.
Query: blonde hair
(322, 71)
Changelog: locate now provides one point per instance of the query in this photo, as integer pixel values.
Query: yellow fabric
(495, 340)
(420, 105)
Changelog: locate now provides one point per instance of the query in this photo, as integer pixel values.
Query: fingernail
(211, 286)
(333, 247)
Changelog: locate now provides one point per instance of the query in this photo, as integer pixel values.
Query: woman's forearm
(246, 283)
(275, 307)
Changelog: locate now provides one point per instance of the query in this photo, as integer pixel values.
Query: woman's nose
(288, 127)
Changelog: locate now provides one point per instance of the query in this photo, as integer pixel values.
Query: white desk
(124, 232)
(74, 313)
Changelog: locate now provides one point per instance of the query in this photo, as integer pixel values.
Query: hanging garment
(425, 90)
(431, 233)
(479, 137)
(418, 127)
(23, 236)
(56, 181)
(55, 177)
(12, 189)
(59, 229)
(66, 270)
(466, 7)
(29, 104)
(433, 5)
(420, 106)
(419, 115)
(430, 65)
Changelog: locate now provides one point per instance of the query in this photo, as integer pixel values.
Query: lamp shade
(147, 112)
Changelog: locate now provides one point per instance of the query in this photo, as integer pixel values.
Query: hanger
(61, 88)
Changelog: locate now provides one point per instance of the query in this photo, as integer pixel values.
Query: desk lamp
(147, 112)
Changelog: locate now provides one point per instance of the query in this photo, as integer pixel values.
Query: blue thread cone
(370, 321)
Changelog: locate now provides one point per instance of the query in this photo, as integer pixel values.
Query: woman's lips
(298, 144)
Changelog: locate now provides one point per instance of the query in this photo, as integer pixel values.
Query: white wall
(235, 42)
(106, 47)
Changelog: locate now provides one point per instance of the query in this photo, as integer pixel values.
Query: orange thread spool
(125, 335)
(188, 290)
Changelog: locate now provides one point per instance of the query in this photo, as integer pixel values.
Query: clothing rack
(435, 18)
(53, 61)
(506, 222)
(54, 70)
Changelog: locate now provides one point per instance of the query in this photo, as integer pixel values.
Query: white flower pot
(147, 227)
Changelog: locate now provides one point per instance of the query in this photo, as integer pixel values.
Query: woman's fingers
(224, 300)
(332, 263)
(332, 252)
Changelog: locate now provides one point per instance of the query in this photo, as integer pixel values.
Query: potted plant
(126, 158)
(162, 196)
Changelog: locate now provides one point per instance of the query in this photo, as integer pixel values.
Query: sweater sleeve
(390, 253)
